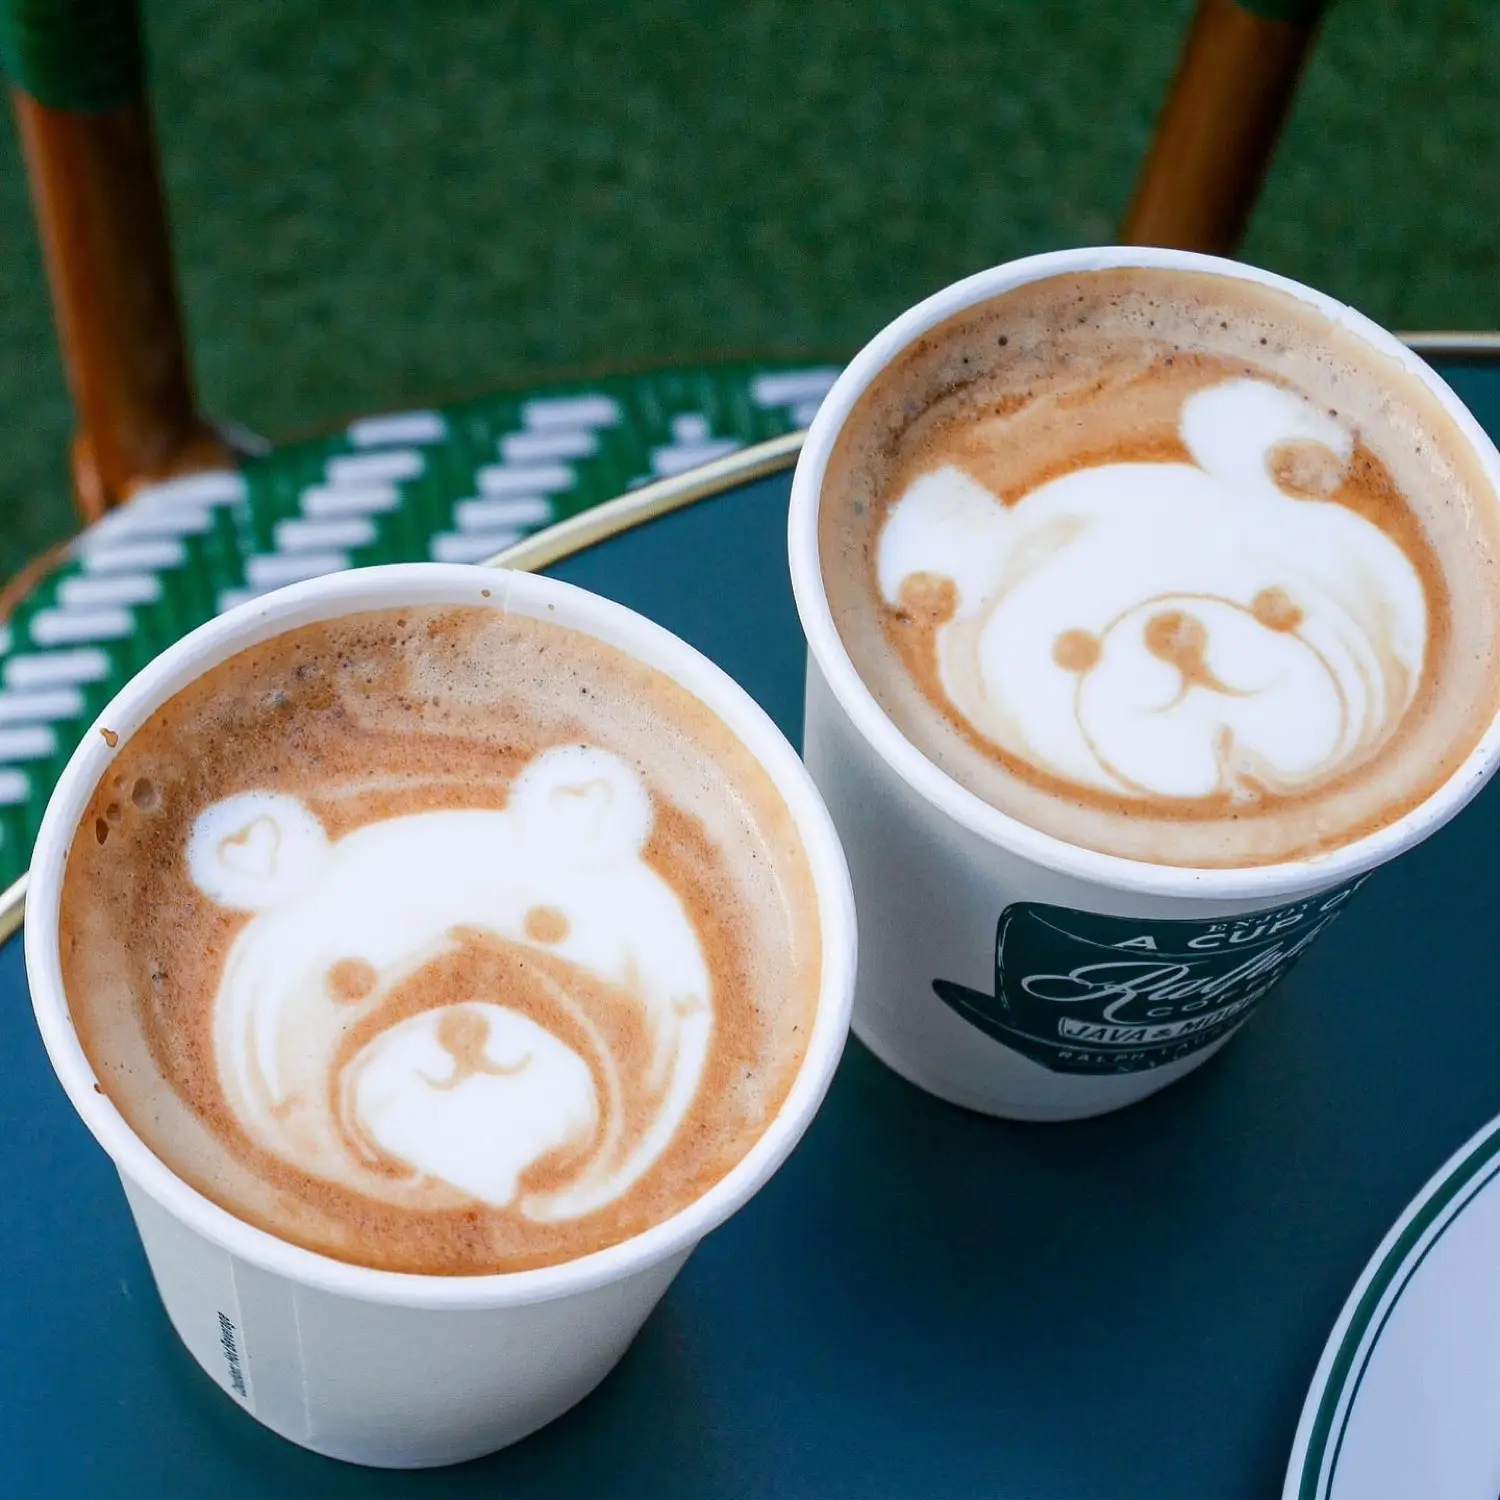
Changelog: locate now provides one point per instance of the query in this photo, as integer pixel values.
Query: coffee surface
(441, 940)
(1167, 565)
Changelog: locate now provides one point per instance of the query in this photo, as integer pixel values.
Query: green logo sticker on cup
(1080, 992)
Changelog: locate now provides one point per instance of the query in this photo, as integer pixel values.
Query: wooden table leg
(1218, 128)
(102, 219)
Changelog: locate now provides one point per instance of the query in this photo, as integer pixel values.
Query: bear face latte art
(1168, 566)
(441, 940)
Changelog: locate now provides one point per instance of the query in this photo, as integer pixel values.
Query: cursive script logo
(1082, 992)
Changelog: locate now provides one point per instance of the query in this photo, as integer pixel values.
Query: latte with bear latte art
(1167, 565)
(441, 940)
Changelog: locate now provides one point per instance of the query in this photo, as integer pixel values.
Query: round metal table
(924, 1302)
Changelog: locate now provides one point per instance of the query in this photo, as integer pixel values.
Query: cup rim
(412, 584)
(1284, 879)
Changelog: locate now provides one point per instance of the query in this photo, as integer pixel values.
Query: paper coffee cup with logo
(1103, 768)
(390, 1367)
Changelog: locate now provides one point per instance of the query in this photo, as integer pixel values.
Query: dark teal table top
(923, 1302)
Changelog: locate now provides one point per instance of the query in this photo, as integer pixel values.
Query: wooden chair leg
(85, 125)
(1218, 128)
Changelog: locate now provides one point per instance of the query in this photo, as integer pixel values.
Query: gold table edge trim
(659, 498)
(578, 533)
(1453, 341)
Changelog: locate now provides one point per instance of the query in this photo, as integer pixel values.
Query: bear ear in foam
(255, 850)
(582, 803)
(947, 524)
(1232, 428)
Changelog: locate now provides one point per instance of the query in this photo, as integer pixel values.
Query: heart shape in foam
(583, 806)
(253, 850)
(256, 849)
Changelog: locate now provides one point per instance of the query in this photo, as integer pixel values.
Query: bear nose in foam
(463, 1035)
(1179, 639)
(427, 1090)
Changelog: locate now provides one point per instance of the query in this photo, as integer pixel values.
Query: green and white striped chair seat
(453, 485)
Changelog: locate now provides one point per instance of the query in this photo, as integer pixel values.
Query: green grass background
(378, 204)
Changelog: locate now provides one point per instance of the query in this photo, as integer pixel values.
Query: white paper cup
(965, 987)
(379, 1367)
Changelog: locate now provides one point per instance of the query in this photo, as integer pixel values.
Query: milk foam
(445, 940)
(1169, 630)
(1139, 596)
(457, 1102)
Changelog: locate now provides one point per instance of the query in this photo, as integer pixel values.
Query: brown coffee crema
(1081, 370)
(382, 716)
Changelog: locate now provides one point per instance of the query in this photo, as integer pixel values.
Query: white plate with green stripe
(1406, 1401)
